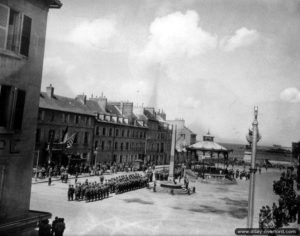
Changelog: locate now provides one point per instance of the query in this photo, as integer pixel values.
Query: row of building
(105, 132)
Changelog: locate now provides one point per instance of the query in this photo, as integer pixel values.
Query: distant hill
(275, 152)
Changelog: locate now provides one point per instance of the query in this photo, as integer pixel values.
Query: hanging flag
(70, 140)
(65, 135)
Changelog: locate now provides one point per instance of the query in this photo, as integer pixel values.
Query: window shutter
(5, 105)
(25, 37)
(4, 17)
(19, 109)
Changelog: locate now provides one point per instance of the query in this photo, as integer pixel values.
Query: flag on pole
(69, 142)
(65, 135)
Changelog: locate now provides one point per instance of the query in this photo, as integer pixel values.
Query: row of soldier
(130, 182)
(93, 191)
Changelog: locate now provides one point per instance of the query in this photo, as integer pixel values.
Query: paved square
(212, 210)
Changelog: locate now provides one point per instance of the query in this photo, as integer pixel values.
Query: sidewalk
(86, 175)
(58, 178)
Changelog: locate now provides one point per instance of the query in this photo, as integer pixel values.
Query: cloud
(191, 103)
(290, 95)
(177, 35)
(243, 37)
(93, 34)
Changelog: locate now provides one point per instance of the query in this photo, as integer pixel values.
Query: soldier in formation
(93, 191)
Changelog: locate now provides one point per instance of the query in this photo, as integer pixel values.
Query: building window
(15, 29)
(109, 145)
(122, 146)
(86, 138)
(77, 119)
(128, 133)
(52, 116)
(127, 146)
(51, 135)
(102, 145)
(12, 102)
(162, 147)
(123, 133)
(117, 132)
(110, 131)
(104, 131)
(41, 115)
(116, 145)
(97, 130)
(38, 136)
(96, 145)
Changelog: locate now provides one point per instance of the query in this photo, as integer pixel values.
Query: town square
(149, 117)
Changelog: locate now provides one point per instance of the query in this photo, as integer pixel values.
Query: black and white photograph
(149, 117)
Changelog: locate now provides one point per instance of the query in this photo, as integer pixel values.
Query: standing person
(76, 177)
(60, 227)
(49, 180)
(44, 228)
(54, 222)
(69, 192)
(72, 192)
(101, 177)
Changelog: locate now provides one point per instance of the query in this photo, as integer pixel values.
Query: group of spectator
(56, 229)
(288, 205)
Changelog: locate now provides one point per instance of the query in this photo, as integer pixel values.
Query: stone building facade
(107, 132)
(60, 116)
(22, 42)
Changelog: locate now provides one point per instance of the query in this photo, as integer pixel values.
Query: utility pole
(252, 170)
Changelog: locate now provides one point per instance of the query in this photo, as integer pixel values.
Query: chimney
(50, 91)
(81, 98)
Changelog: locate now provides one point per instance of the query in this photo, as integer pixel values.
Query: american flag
(70, 140)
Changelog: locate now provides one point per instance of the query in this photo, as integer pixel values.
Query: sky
(206, 61)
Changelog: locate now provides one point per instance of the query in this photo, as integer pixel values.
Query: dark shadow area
(207, 209)
(222, 189)
(237, 203)
(177, 208)
(137, 200)
(239, 213)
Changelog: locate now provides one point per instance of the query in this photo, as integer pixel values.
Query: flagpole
(252, 171)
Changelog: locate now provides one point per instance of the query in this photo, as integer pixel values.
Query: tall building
(119, 134)
(106, 132)
(158, 137)
(22, 43)
(59, 117)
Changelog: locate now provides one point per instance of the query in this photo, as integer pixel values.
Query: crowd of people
(93, 191)
(56, 229)
(288, 205)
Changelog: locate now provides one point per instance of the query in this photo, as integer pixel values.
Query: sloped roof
(66, 104)
(149, 115)
(207, 146)
(113, 109)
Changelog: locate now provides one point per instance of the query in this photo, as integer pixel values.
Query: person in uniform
(69, 192)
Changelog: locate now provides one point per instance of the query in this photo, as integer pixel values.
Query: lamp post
(255, 137)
